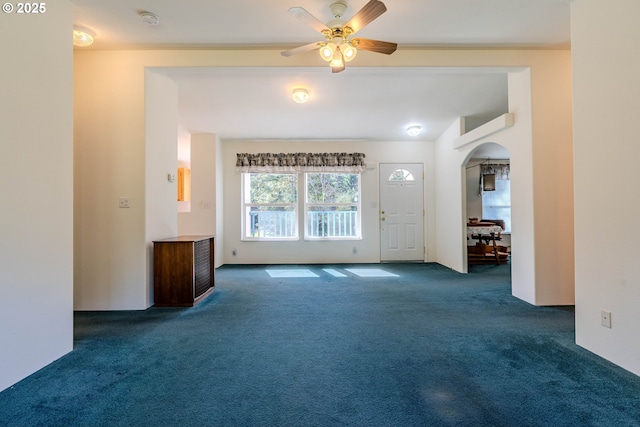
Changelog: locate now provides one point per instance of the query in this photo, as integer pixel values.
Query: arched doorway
(487, 204)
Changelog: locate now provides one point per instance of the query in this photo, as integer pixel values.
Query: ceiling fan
(338, 47)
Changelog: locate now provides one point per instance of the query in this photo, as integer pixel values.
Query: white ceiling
(359, 103)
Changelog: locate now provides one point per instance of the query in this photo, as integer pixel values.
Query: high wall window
(270, 206)
(331, 206)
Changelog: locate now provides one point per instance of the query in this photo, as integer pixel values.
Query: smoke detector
(149, 18)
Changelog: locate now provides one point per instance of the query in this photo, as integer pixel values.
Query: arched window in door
(401, 175)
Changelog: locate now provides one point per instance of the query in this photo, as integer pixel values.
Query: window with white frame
(332, 206)
(497, 204)
(270, 206)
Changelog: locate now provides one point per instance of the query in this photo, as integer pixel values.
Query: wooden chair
(487, 254)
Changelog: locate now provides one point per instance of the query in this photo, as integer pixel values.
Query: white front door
(401, 212)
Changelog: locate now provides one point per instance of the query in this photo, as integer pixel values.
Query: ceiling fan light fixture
(338, 8)
(414, 130)
(338, 60)
(337, 47)
(349, 52)
(327, 51)
(300, 95)
(82, 37)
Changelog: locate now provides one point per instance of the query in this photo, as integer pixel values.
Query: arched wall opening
(487, 205)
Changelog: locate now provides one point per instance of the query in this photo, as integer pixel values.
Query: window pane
(332, 205)
(401, 175)
(270, 206)
(272, 188)
(270, 221)
(333, 188)
(326, 221)
(497, 204)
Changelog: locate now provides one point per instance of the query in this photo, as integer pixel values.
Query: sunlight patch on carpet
(370, 272)
(334, 273)
(291, 273)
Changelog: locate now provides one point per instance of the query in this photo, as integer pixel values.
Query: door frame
(395, 165)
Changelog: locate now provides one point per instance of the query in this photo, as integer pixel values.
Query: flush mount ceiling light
(300, 95)
(414, 130)
(82, 37)
(338, 46)
(149, 18)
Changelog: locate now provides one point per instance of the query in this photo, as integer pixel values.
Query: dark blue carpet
(428, 348)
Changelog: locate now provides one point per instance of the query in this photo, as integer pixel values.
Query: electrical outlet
(124, 202)
(605, 318)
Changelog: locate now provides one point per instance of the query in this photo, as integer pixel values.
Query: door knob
(382, 212)
(382, 219)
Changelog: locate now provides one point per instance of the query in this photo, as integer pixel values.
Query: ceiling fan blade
(375, 46)
(301, 49)
(304, 16)
(368, 13)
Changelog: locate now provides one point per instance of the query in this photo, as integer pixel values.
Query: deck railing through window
(332, 224)
(281, 224)
(272, 224)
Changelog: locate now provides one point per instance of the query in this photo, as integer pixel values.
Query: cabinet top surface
(184, 239)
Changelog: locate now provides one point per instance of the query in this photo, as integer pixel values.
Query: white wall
(606, 105)
(451, 237)
(366, 250)
(110, 244)
(161, 154)
(220, 217)
(474, 198)
(202, 219)
(36, 183)
(524, 279)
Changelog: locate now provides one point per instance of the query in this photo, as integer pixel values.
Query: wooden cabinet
(183, 270)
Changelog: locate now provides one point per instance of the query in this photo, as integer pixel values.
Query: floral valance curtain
(500, 171)
(300, 162)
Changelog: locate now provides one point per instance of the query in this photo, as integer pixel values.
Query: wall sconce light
(82, 37)
(300, 95)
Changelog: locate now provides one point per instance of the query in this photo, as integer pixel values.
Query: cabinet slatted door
(202, 267)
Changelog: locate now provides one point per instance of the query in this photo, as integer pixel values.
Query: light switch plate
(605, 318)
